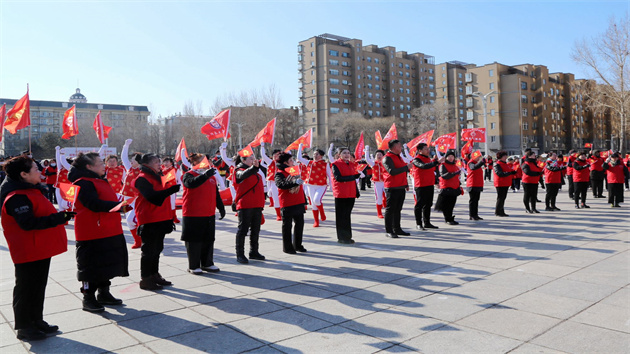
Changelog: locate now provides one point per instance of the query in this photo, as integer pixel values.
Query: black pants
(580, 192)
(552, 193)
(248, 220)
(499, 208)
(473, 203)
(29, 292)
(598, 187)
(487, 174)
(424, 201)
(200, 254)
(343, 217)
(541, 181)
(152, 246)
(530, 195)
(51, 193)
(395, 201)
(292, 235)
(90, 287)
(571, 186)
(516, 184)
(448, 204)
(366, 181)
(615, 193)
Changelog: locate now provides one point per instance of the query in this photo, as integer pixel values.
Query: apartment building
(450, 92)
(339, 75)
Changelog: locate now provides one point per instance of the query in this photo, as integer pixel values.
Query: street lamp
(484, 99)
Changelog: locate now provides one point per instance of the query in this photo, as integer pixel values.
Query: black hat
(450, 152)
(615, 155)
(146, 158)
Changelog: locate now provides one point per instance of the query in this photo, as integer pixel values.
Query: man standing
(395, 178)
(423, 181)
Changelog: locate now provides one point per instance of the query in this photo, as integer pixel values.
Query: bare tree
(606, 58)
(433, 116)
(269, 97)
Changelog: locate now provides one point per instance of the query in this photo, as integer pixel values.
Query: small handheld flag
(588, 145)
(69, 192)
(476, 154)
(204, 164)
(170, 176)
(293, 170)
(246, 152)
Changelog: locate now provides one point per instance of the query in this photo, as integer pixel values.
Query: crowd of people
(144, 190)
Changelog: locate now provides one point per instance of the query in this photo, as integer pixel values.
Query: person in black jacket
(448, 194)
(501, 186)
(292, 212)
(424, 194)
(395, 194)
(530, 195)
(474, 188)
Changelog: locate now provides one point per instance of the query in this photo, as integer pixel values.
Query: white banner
(73, 152)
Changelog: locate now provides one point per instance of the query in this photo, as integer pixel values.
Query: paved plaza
(544, 283)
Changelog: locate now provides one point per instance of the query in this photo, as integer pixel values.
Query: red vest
(582, 175)
(570, 165)
(115, 177)
(271, 171)
(147, 212)
(51, 179)
(534, 168)
(399, 180)
(89, 225)
(614, 174)
(474, 178)
(597, 164)
(503, 181)
(316, 173)
(200, 201)
(287, 198)
(423, 177)
(129, 190)
(34, 245)
(552, 176)
(250, 193)
(377, 172)
(452, 182)
(62, 177)
(345, 189)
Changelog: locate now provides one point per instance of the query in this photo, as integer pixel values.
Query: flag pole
(30, 150)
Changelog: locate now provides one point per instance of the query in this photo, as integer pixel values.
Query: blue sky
(164, 53)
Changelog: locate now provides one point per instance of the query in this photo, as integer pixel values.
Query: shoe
(211, 269)
(402, 233)
(571, 197)
(535, 211)
(347, 242)
(548, 209)
(503, 215)
(391, 235)
(242, 259)
(601, 196)
(475, 218)
(160, 280)
(529, 211)
(257, 256)
(137, 240)
(196, 271)
(556, 208)
(301, 249)
(43, 326)
(149, 284)
(29, 334)
(538, 200)
(452, 222)
(585, 206)
(577, 206)
(316, 223)
(430, 226)
(616, 206)
(176, 220)
(419, 227)
(289, 252)
(90, 304)
(104, 297)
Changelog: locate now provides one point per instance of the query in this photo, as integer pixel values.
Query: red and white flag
(69, 192)
(3, 114)
(102, 131)
(218, 127)
(358, 152)
(378, 138)
(422, 138)
(246, 151)
(476, 154)
(70, 123)
(392, 134)
(19, 116)
(445, 142)
(293, 170)
(306, 139)
(178, 152)
(168, 177)
(266, 135)
(203, 165)
(467, 148)
(477, 135)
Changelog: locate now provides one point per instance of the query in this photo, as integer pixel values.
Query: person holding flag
(503, 175)
(34, 232)
(553, 180)
(346, 192)
(450, 187)
(597, 174)
(168, 169)
(272, 189)
(581, 177)
(516, 166)
(62, 177)
(423, 180)
(101, 250)
(114, 173)
(377, 177)
(292, 202)
(570, 160)
(51, 177)
(396, 185)
(474, 183)
(531, 174)
(318, 177)
(616, 172)
(132, 171)
(489, 164)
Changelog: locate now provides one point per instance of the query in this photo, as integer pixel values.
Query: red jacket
(614, 174)
(597, 164)
(399, 180)
(200, 201)
(452, 182)
(89, 225)
(33, 245)
(503, 181)
(583, 174)
(115, 177)
(130, 178)
(377, 172)
(533, 167)
(570, 165)
(345, 189)
(316, 173)
(250, 192)
(423, 177)
(552, 176)
(51, 174)
(287, 198)
(147, 212)
(474, 178)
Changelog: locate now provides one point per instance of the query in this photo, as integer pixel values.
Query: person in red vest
(396, 186)
(249, 202)
(450, 187)
(101, 249)
(271, 175)
(114, 173)
(168, 165)
(626, 162)
(571, 158)
(155, 220)
(423, 180)
(62, 177)
(474, 183)
(516, 166)
(34, 232)
(345, 192)
(292, 202)
(378, 171)
(597, 174)
(489, 169)
(503, 174)
(132, 170)
(200, 201)
(581, 179)
(318, 176)
(616, 172)
(51, 178)
(553, 180)
(531, 175)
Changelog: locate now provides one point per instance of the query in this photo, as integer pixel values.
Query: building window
(470, 115)
(524, 112)
(524, 99)
(492, 112)
(334, 91)
(523, 85)
(490, 72)
(492, 125)
(334, 100)
(333, 72)
(333, 53)
(345, 55)
(492, 86)
(334, 110)
(313, 100)
(493, 138)
(333, 62)
(491, 99)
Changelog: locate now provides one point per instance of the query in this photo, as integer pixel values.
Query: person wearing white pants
(272, 189)
(378, 169)
(318, 178)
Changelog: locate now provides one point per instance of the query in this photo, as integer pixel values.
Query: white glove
(262, 143)
(57, 148)
(128, 142)
(299, 181)
(224, 145)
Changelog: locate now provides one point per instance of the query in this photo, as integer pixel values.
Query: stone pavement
(550, 282)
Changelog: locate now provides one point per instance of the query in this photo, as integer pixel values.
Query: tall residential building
(339, 75)
(450, 88)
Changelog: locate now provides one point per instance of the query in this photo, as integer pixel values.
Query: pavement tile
(549, 305)
(518, 279)
(529, 348)
(509, 323)
(577, 289)
(216, 339)
(590, 275)
(164, 325)
(487, 292)
(338, 309)
(546, 269)
(621, 298)
(458, 339)
(336, 339)
(76, 320)
(228, 309)
(7, 336)
(295, 295)
(573, 337)
(448, 308)
(389, 294)
(15, 349)
(606, 316)
(91, 340)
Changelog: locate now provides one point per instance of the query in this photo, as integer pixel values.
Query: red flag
(69, 192)
(170, 176)
(266, 134)
(392, 134)
(218, 127)
(588, 145)
(306, 139)
(293, 170)
(361, 167)
(70, 124)
(122, 204)
(204, 164)
(467, 148)
(379, 139)
(422, 138)
(459, 163)
(476, 154)
(3, 113)
(358, 152)
(445, 142)
(19, 116)
(477, 135)
(178, 152)
(541, 164)
(246, 152)
(102, 131)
